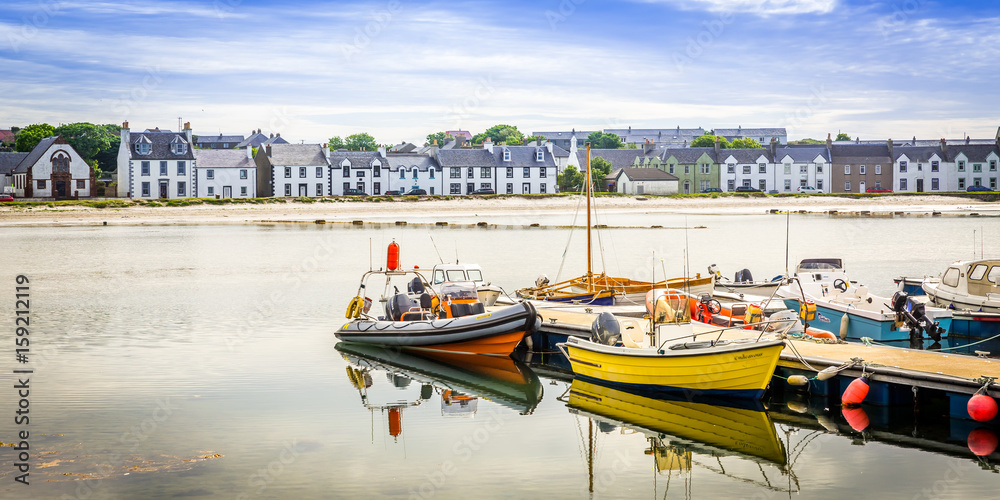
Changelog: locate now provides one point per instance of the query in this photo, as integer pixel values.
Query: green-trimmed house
(697, 169)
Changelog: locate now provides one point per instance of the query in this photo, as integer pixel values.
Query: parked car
(6, 198)
(393, 192)
(746, 189)
(354, 192)
(711, 190)
(878, 190)
(416, 192)
(808, 189)
(974, 188)
(484, 191)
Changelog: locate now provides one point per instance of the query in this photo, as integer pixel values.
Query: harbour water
(200, 362)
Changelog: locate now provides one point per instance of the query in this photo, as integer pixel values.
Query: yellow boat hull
(735, 370)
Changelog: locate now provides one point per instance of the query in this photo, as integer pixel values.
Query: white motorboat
(972, 284)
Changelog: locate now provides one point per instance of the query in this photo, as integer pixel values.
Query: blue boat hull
(859, 326)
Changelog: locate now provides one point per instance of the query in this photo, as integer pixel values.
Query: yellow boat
(669, 358)
(692, 426)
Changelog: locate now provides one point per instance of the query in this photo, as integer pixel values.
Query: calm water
(200, 362)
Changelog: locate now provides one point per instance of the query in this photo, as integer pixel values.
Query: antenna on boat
(436, 250)
(787, 224)
(973, 243)
(369, 254)
(590, 280)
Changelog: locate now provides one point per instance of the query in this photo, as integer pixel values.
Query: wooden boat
(667, 357)
(449, 317)
(717, 427)
(972, 285)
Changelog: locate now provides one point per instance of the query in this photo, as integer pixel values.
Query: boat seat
(633, 334)
(459, 310)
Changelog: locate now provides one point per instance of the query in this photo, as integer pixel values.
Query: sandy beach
(519, 207)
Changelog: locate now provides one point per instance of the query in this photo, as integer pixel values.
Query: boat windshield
(456, 275)
(460, 290)
(475, 275)
(817, 264)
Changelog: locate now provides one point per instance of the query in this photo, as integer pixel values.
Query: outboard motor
(606, 329)
(913, 314)
(743, 276)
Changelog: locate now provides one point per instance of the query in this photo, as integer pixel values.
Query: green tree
(441, 138)
(602, 140)
(708, 141)
(807, 141)
(570, 180)
(501, 134)
(360, 142)
(842, 137)
(600, 168)
(336, 143)
(107, 158)
(29, 137)
(747, 143)
(86, 138)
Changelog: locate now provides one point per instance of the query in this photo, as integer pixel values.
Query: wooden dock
(895, 365)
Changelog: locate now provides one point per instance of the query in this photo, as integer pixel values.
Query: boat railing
(741, 328)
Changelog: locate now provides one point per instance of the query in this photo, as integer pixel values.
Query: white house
(297, 169)
(52, 169)
(746, 167)
(465, 170)
(975, 165)
(413, 171)
(366, 171)
(519, 170)
(226, 173)
(638, 181)
(797, 167)
(156, 164)
(919, 169)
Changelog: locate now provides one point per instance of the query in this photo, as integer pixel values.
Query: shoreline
(517, 207)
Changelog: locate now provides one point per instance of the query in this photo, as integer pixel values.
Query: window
(961, 183)
(761, 168)
(210, 174)
(706, 168)
(347, 170)
(705, 185)
(540, 155)
(902, 167)
(211, 190)
(861, 169)
(541, 172)
(993, 165)
(902, 184)
(243, 190)
(977, 167)
(455, 173)
(978, 271)
(510, 172)
(484, 173)
(526, 172)
(288, 189)
(730, 168)
(288, 172)
(80, 183)
(961, 165)
(319, 173)
(415, 172)
(302, 172)
(181, 167)
(143, 148)
(506, 155)
(485, 185)
(762, 185)
(181, 188)
(803, 183)
(40, 183)
(746, 169)
(671, 168)
(731, 185)
(847, 186)
(819, 168)
(878, 184)
(920, 167)
(163, 168)
(788, 184)
(847, 170)
(994, 274)
(819, 184)
(144, 168)
(430, 173)
(541, 188)
(803, 169)
(950, 277)
(788, 169)
(359, 173)
(510, 188)
(376, 171)
(746, 182)
(993, 183)
(687, 169)
(526, 188)
(178, 147)
(376, 187)
(456, 188)
(470, 173)
(402, 172)
(319, 189)
(934, 184)
(145, 189)
(934, 166)
(243, 173)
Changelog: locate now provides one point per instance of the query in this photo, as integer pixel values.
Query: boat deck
(926, 369)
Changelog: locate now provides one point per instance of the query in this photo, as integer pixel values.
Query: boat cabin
(453, 300)
(457, 272)
(982, 277)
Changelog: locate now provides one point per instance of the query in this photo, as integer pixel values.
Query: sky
(400, 70)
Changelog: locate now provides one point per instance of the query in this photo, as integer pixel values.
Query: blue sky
(400, 69)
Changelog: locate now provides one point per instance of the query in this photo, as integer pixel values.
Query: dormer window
(506, 154)
(540, 155)
(143, 145)
(178, 146)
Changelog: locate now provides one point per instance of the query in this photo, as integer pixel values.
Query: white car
(809, 189)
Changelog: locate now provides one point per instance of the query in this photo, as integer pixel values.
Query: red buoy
(856, 392)
(983, 442)
(392, 263)
(395, 422)
(982, 408)
(856, 418)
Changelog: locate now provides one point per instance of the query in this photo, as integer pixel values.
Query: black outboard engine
(743, 276)
(913, 314)
(606, 330)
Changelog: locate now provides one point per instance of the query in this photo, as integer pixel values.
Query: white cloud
(758, 7)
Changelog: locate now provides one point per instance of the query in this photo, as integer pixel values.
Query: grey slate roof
(357, 158)
(802, 154)
(277, 139)
(219, 139)
(466, 158)
(581, 135)
(10, 161)
(254, 140)
(766, 133)
(643, 174)
(297, 154)
(921, 154)
(974, 152)
(745, 155)
(656, 135)
(161, 146)
(422, 162)
(522, 156)
(35, 154)
(619, 158)
(223, 158)
(688, 155)
(559, 152)
(850, 153)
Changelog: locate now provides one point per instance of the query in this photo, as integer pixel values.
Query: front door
(303, 189)
(920, 185)
(861, 187)
(163, 189)
(60, 189)
(227, 191)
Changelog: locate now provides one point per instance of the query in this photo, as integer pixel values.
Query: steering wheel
(714, 306)
(840, 284)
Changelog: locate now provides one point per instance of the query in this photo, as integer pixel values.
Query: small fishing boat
(971, 285)
(488, 292)
(668, 355)
(743, 282)
(848, 307)
(449, 317)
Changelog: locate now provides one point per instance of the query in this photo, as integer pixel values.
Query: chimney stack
(774, 149)
(718, 147)
(892, 157)
(829, 141)
(944, 148)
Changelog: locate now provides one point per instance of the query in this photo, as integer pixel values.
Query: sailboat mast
(590, 281)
